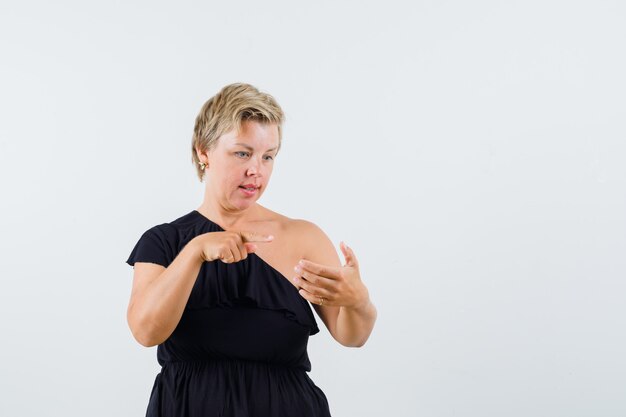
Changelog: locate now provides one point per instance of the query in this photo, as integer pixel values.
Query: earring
(202, 166)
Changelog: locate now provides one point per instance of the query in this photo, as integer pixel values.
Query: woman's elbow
(144, 333)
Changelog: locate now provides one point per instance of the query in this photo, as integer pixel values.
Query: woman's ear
(202, 156)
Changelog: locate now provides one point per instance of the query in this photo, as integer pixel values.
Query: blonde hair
(226, 111)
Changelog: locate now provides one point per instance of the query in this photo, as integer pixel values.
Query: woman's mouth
(248, 191)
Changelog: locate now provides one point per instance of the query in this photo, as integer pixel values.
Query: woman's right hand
(229, 246)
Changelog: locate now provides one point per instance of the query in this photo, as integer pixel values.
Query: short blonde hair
(226, 111)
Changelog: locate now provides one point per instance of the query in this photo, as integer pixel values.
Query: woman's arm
(355, 324)
(347, 311)
(159, 295)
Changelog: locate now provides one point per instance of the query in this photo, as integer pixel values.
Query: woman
(224, 290)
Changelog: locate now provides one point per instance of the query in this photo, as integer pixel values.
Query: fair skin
(299, 250)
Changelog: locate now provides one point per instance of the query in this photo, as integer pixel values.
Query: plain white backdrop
(471, 153)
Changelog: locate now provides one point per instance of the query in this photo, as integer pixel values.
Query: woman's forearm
(355, 324)
(156, 312)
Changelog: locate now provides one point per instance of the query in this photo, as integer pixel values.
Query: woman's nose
(253, 168)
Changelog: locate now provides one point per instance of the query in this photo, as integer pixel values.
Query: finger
(248, 236)
(240, 249)
(348, 254)
(319, 281)
(306, 295)
(312, 298)
(226, 256)
(319, 269)
(312, 288)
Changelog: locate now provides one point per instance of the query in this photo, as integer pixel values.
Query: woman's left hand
(338, 286)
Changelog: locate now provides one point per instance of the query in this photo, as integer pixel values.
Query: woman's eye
(246, 153)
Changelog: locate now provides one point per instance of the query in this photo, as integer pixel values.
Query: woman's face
(239, 160)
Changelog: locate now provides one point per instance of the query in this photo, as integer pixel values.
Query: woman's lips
(248, 192)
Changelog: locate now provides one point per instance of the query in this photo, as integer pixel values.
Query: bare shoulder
(297, 239)
(304, 226)
(309, 234)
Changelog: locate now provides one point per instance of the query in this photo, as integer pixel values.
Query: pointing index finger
(255, 237)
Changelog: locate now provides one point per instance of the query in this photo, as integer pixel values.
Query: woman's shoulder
(299, 235)
(305, 228)
(295, 227)
(309, 237)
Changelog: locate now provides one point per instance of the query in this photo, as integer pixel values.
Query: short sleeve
(154, 246)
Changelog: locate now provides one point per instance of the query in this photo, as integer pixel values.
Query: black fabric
(240, 348)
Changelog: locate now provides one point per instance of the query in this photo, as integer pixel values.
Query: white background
(471, 153)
